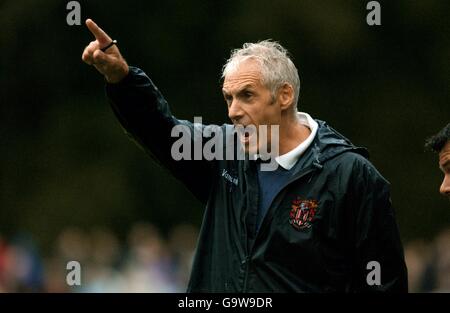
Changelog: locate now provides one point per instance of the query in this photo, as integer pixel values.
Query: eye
(247, 95)
(447, 169)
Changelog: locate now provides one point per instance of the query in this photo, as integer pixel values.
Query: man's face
(444, 164)
(250, 103)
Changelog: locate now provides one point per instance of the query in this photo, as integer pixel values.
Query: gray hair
(277, 67)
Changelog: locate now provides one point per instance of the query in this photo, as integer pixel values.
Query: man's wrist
(119, 76)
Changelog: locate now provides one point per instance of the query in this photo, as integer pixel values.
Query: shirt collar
(288, 160)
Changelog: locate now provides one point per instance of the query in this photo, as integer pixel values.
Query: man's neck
(292, 134)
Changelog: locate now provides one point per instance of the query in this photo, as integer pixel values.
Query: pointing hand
(108, 62)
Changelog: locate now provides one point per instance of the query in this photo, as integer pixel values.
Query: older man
(321, 221)
(440, 143)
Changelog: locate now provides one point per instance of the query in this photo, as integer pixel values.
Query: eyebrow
(240, 91)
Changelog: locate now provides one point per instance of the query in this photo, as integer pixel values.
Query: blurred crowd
(143, 262)
(148, 262)
(429, 264)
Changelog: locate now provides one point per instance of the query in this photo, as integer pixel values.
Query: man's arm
(376, 233)
(146, 118)
(144, 113)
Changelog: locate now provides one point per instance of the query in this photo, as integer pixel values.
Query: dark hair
(438, 141)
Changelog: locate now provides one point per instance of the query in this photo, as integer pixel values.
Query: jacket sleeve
(377, 246)
(146, 118)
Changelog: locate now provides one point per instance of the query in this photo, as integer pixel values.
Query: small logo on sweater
(302, 213)
(230, 178)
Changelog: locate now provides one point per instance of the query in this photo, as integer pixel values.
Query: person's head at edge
(261, 87)
(440, 143)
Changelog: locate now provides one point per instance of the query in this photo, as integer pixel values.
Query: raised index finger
(99, 34)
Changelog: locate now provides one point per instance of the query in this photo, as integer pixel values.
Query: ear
(285, 96)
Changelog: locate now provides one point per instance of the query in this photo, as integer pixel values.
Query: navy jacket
(330, 220)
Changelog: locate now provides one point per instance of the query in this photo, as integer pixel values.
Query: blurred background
(74, 187)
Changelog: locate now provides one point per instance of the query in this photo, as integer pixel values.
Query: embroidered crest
(302, 213)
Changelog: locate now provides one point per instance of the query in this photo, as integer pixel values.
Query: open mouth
(245, 132)
(245, 137)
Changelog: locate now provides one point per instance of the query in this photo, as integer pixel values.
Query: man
(320, 222)
(440, 143)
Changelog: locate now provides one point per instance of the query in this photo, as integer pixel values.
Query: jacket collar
(326, 145)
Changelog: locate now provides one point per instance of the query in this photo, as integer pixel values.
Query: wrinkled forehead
(246, 72)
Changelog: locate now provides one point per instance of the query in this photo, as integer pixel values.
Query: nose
(445, 186)
(235, 112)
